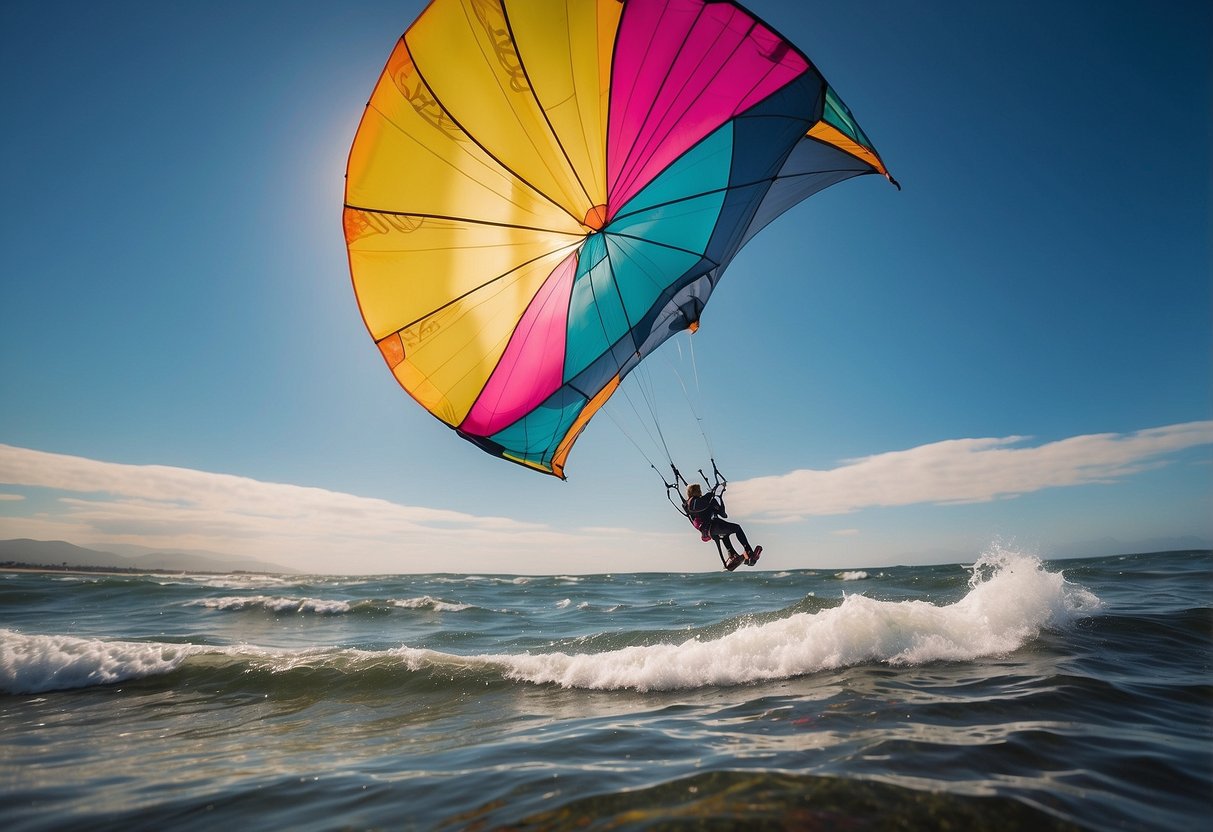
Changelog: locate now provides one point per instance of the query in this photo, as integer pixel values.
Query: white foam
(426, 602)
(320, 606)
(858, 575)
(1011, 599)
(234, 581)
(36, 663)
(273, 604)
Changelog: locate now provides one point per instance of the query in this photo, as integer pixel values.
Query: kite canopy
(541, 192)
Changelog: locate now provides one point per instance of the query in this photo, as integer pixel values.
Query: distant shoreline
(16, 566)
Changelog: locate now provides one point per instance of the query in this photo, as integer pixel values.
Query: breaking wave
(323, 606)
(1011, 599)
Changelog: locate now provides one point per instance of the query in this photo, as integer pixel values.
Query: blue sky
(1016, 347)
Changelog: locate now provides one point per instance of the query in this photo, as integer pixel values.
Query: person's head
(693, 490)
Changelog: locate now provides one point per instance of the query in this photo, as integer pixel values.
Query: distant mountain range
(58, 553)
(1097, 547)
(1116, 546)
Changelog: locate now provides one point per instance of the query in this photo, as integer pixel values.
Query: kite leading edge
(541, 192)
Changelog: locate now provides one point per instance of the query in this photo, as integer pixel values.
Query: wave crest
(36, 663)
(1011, 599)
(273, 604)
(325, 606)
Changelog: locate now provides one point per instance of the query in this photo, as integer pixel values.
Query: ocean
(1007, 693)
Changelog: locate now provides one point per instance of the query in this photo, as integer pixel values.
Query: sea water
(1006, 693)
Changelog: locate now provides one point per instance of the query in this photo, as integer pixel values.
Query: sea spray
(37, 663)
(1011, 599)
(1013, 593)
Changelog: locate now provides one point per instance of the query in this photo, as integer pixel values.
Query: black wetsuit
(709, 511)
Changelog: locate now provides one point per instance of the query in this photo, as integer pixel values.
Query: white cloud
(313, 529)
(301, 527)
(11, 497)
(961, 471)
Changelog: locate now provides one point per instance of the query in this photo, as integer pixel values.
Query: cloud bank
(962, 471)
(301, 527)
(314, 529)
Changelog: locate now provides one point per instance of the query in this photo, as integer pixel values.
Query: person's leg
(723, 528)
(742, 539)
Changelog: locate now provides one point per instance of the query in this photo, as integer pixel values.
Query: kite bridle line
(686, 394)
(720, 483)
(678, 505)
(647, 391)
(645, 413)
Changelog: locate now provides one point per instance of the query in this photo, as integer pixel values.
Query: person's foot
(751, 557)
(734, 561)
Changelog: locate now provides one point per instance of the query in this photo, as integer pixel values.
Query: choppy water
(1007, 694)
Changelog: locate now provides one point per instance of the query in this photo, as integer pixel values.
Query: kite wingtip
(896, 184)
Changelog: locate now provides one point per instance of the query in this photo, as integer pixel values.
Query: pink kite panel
(532, 366)
(681, 71)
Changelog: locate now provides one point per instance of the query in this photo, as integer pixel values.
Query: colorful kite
(541, 192)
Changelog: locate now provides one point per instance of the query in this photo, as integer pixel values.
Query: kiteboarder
(707, 513)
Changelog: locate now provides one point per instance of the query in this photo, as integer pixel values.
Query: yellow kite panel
(449, 355)
(568, 45)
(406, 268)
(472, 67)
